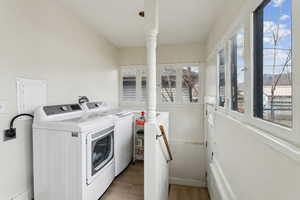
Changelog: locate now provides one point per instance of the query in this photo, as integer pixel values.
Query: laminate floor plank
(179, 192)
(130, 186)
(127, 186)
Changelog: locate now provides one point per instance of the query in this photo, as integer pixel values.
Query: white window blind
(129, 89)
(143, 85)
(178, 83)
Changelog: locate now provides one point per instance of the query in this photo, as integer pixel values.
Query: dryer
(123, 121)
(123, 138)
(73, 153)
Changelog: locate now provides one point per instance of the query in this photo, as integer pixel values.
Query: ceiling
(181, 21)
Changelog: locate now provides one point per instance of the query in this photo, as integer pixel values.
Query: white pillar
(151, 39)
(151, 32)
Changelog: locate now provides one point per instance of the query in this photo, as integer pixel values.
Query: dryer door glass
(102, 152)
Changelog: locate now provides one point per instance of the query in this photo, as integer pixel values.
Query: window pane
(190, 84)
(168, 85)
(221, 56)
(144, 86)
(238, 72)
(276, 42)
(129, 85)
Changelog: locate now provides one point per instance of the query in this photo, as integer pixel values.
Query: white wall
(166, 54)
(41, 40)
(255, 165)
(186, 121)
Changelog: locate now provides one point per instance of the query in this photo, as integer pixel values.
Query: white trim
(291, 135)
(187, 182)
(221, 108)
(188, 142)
(222, 184)
(235, 113)
(280, 145)
(296, 68)
(210, 100)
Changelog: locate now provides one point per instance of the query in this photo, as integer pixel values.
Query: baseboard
(221, 185)
(187, 182)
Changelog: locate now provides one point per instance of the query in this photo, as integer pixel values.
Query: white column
(150, 166)
(151, 72)
(151, 32)
(150, 126)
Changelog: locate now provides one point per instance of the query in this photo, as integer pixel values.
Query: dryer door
(100, 151)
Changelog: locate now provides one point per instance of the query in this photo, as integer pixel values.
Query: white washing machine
(73, 153)
(123, 121)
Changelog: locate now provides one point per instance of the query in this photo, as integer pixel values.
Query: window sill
(288, 149)
(266, 136)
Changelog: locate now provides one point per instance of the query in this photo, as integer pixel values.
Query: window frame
(223, 47)
(258, 65)
(258, 35)
(234, 68)
(160, 67)
(277, 136)
(287, 134)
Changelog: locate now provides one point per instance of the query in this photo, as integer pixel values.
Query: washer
(123, 121)
(73, 153)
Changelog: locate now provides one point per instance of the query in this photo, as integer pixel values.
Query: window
(221, 61)
(190, 84)
(144, 85)
(168, 84)
(128, 85)
(273, 62)
(178, 83)
(238, 72)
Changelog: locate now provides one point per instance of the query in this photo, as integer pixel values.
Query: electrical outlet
(10, 134)
(2, 107)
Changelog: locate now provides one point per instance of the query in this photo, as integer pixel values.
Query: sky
(277, 14)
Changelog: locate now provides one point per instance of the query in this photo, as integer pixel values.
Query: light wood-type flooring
(127, 186)
(179, 192)
(130, 186)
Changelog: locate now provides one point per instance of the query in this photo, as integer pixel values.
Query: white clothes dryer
(123, 121)
(73, 153)
(123, 138)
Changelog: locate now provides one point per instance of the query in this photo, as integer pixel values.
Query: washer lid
(69, 120)
(79, 124)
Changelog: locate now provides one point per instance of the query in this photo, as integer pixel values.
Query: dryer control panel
(94, 105)
(61, 109)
